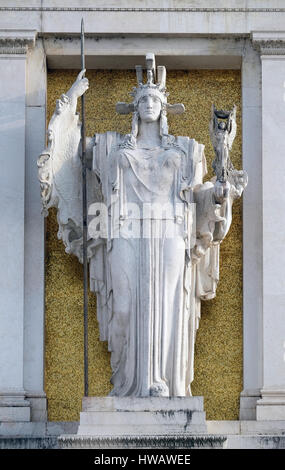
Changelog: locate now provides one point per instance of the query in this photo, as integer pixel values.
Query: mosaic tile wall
(218, 360)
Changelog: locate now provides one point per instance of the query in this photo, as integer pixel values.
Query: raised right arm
(60, 171)
(68, 103)
(78, 88)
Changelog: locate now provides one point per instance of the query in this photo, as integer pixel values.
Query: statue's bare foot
(159, 390)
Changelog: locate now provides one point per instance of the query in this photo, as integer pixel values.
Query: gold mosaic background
(218, 360)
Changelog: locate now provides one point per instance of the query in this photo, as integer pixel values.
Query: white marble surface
(12, 413)
(273, 150)
(272, 405)
(181, 53)
(36, 89)
(12, 197)
(252, 232)
(34, 235)
(13, 47)
(125, 416)
(223, 21)
(142, 404)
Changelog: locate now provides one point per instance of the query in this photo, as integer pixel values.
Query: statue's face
(149, 108)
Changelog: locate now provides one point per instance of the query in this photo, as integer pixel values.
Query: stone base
(248, 400)
(38, 404)
(14, 414)
(153, 422)
(271, 406)
(14, 407)
(125, 416)
(270, 412)
(221, 434)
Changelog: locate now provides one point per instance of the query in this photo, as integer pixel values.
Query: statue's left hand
(221, 191)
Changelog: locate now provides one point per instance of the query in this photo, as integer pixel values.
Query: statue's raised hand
(79, 87)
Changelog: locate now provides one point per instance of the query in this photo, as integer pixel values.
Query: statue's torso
(150, 175)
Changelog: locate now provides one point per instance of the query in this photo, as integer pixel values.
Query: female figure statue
(153, 234)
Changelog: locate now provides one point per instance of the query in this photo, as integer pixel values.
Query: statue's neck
(148, 135)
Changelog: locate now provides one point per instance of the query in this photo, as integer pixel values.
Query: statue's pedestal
(107, 422)
(137, 416)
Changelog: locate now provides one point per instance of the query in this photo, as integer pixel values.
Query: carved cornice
(269, 43)
(16, 41)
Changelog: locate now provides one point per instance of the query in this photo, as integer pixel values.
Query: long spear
(84, 212)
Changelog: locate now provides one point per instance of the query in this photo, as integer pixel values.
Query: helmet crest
(156, 85)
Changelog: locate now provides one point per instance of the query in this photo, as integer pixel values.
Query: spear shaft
(84, 220)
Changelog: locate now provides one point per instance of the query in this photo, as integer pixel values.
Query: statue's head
(150, 99)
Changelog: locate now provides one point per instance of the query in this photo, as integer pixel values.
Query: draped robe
(148, 287)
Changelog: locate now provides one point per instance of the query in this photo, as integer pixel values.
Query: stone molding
(272, 405)
(248, 401)
(269, 43)
(16, 41)
(147, 10)
(13, 396)
(174, 441)
(272, 397)
(13, 406)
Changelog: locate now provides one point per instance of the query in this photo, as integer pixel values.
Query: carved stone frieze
(16, 41)
(148, 9)
(269, 43)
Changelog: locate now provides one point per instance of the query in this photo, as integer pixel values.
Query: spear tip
(82, 45)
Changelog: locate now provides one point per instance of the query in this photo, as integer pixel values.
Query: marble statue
(154, 228)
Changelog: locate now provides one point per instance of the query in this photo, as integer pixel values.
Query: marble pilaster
(272, 52)
(252, 233)
(13, 49)
(34, 235)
